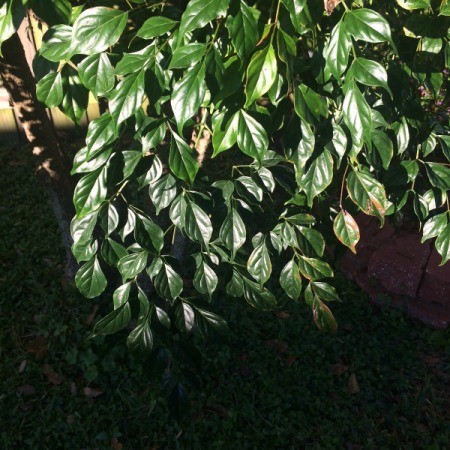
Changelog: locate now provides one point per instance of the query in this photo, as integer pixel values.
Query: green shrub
(313, 114)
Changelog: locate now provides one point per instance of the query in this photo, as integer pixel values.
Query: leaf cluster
(325, 109)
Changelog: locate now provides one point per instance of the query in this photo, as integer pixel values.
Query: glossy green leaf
(91, 191)
(318, 176)
(434, 226)
(127, 97)
(357, 115)
(403, 137)
(135, 61)
(251, 137)
(59, 11)
(443, 245)
(112, 219)
(57, 44)
(131, 159)
(188, 94)
(205, 279)
(261, 74)
(309, 105)
(258, 298)
(49, 90)
(290, 280)
(177, 211)
(243, 28)
(346, 230)
(163, 317)
(11, 15)
(168, 283)
(368, 25)
(82, 229)
(198, 225)
(84, 163)
(301, 219)
(199, 12)
(184, 316)
(267, 179)
(151, 133)
(163, 191)
(225, 132)
(367, 193)
(382, 150)
(324, 291)
(259, 265)
(337, 50)
(97, 74)
(121, 295)
(323, 317)
(235, 287)
(438, 174)
(233, 232)
(141, 338)
(114, 321)
(370, 73)
(75, 96)
(251, 187)
(311, 241)
(314, 269)
(155, 26)
(112, 251)
(445, 8)
(213, 320)
(414, 4)
(187, 56)
(90, 280)
(101, 132)
(133, 264)
(148, 234)
(295, 8)
(98, 28)
(289, 235)
(182, 161)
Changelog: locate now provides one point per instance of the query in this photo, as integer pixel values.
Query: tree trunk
(39, 130)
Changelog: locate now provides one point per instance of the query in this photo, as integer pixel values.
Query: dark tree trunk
(39, 130)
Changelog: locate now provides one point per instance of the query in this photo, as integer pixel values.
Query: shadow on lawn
(275, 382)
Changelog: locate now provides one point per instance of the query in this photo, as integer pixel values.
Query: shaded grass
(275, 382)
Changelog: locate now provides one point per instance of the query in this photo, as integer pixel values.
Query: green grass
(273, 383)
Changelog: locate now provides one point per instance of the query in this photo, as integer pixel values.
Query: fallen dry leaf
(38, 346)
(338, 369)
(216, 408)
(115, 444)
(329, 5)
(22, 366)
(73, 389)
(283, 315)
(291, 359)
(353, 386)
(51, 375)
(92, 392)
(26, 389)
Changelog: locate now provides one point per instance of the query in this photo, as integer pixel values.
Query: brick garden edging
(394, 265)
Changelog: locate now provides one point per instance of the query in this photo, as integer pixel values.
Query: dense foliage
(314, 111)
(272, 380)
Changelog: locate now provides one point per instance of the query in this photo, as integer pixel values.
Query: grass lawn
(274, 382)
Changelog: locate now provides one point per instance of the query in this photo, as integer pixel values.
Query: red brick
(432, 314)
(398, 264)
(435, 285)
